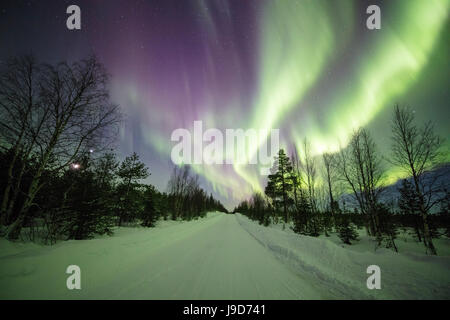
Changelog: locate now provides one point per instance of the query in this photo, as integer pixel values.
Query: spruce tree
(279, 183)
(302, 215)
(150, 213)
(347, 231)
(130, 171)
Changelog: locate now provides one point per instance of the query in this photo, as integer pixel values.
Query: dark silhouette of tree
(417, 151)
(329, 161)
(59, 112)
(20, 117)
(279, 182)
(408, 204)
(187, 200)
(130, 172)
(302, 217)
(347, 231)
(58, 176)
(310, 171)
(360, 168)
(150, 213)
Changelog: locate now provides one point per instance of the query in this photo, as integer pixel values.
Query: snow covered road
(218, 257)
(210, 259)
(219, 261)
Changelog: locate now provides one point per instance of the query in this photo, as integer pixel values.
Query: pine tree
(388, 229)
(347, 231)
(302, 215)
(88, 206)
(150, 213)
(279, 183)
(130, 171)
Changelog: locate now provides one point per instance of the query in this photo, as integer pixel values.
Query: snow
(218, 257)
(342, 268)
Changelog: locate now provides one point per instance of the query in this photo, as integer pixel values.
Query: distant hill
(390, 195)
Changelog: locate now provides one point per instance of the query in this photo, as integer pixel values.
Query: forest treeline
(58, 176)
(350, 193)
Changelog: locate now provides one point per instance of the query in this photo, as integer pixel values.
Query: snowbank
(343, 271)
(33, 271)
(221, 256)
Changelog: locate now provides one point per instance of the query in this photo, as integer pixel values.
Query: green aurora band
(298, 40)
(320, 74)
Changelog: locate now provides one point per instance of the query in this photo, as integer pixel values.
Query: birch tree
(417, 150)
(69, 112)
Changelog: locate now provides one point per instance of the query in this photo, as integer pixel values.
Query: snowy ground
(404, 242)
(218, 257)
(341, 269)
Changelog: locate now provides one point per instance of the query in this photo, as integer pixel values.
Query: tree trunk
(427, 240)
(16, 227)
(3, 210)
(6, 193)
(426, 234)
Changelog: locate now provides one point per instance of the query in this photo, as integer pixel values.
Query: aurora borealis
(309, 67)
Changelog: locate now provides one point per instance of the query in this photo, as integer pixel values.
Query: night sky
(309, 68)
